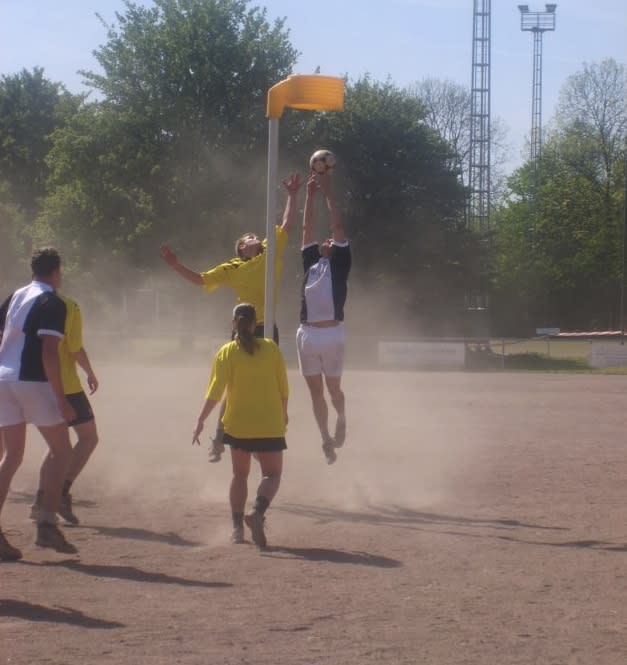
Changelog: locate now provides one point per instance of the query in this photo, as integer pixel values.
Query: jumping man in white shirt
(320, 337)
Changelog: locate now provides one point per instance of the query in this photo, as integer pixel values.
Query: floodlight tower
(538, 23)
(479, 164)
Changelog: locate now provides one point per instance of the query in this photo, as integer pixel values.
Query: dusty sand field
(470, 519)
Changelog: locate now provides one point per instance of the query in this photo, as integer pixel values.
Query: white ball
(322, 161)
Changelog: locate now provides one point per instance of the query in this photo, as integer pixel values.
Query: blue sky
(405, 40)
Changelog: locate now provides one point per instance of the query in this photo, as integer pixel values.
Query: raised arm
(292, 185)
(312, 188)
(172, 260)
(337, 230)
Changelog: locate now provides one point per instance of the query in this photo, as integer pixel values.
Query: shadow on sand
(132, 533)
(405, 518)
(331, 556)
(27, 498)
(399, 516)
(20, 609)
(130, 573)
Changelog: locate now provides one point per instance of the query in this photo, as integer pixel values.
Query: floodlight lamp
(551, 8)
(524, 9)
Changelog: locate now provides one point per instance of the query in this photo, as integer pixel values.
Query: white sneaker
(237, 537)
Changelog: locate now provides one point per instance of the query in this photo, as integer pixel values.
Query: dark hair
(238, 242)
(244, 315)
(45, 261)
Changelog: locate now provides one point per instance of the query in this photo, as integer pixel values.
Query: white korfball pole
(273, 159)
(307, 93)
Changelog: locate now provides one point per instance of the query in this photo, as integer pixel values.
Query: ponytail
(243, 317)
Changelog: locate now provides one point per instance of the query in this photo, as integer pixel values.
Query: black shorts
(258, 445)
(81, 407)
(259, 333)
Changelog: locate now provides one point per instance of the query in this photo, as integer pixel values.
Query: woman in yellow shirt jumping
(252, 372)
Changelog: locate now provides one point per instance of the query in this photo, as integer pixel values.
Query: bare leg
(321, 413)
(53, 469)
(84, 447)
(238, 493)
(12, 443)
(337, 399)
(320, 408)
(336, 393)
(271, 469)
(13, 439)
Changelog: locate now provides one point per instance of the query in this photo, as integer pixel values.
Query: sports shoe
(237, 537)
(65, 509)
(256, 522)
(37, 514)
(215, 452)
(49, 535)
(7, 551)
(217, 447)
(340, 432)
(328, 448)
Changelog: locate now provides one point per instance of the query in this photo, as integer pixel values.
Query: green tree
(403, 204)
(448, 107)
(31, 108)
(179, 127)
(559, 238)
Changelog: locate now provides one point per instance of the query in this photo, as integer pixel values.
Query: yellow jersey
(248, 277)
(255, 385)
(71, 343)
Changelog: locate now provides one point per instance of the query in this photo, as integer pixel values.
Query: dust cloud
(151, 337)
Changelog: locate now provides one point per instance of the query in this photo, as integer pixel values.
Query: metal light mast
(479, 166)
(538, 23)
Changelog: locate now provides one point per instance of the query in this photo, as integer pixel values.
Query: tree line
(171, 144)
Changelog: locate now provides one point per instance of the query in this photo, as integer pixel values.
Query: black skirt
(256, 445)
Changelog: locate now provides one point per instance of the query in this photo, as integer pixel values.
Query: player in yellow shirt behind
(252, 372)
(71, 353)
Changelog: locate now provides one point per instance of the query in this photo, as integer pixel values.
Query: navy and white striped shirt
(32, 311)
(325, 286)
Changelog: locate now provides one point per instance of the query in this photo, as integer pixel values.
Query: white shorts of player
(28, 402)
(320, 350)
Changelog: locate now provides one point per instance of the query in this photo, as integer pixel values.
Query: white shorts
(320, 350)
(28, 402)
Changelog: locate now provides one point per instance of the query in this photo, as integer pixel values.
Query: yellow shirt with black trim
(247, 277)
(71, 343)
(255, 387)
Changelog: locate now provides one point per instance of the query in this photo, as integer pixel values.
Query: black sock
(261, 504)
(66, 487)
(238, 520)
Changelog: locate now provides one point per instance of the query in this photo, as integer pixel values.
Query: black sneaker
(65, 509)
(7, 551)
(49, 535)
(256, 522)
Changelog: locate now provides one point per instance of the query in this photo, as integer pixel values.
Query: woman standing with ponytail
(252, 372)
